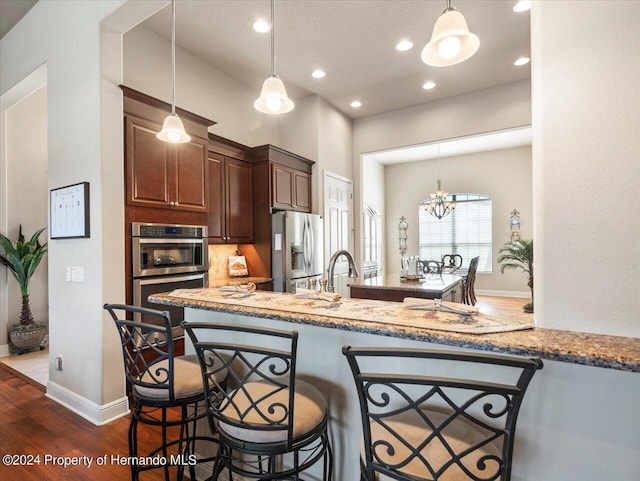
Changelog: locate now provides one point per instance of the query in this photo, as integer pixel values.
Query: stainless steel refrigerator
(296, 250)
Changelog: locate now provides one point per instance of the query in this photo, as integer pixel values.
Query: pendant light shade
(273, 97)
(451, 42)
(173, 128)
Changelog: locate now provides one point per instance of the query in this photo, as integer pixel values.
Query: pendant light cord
(173, 57)
(273, 39)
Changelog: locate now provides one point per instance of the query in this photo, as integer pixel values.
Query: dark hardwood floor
(32, 425)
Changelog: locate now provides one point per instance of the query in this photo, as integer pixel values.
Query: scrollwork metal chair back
(154, 370)
(419, 425)
(265, 414)
(431, 268)
(271, 370)
(452, 261)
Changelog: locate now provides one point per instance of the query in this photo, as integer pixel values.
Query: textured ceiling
(354, 42)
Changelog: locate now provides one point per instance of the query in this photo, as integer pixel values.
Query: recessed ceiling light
(522, 6)
(404, 45)
(261, 26)
(522, 61)
(356, 104)
(318, 73)
(428, 85)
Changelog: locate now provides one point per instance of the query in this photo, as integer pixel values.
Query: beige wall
(504, 175)
(26, 152)
(586, 163)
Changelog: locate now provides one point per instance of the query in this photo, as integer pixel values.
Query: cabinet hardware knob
(177, 203)
(172, 203)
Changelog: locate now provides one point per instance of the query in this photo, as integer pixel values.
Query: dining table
(392, 287)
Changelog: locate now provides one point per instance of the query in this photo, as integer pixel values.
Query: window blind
(466, 231)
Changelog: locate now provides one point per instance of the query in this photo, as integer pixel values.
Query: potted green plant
(22, 259)
(518, 254)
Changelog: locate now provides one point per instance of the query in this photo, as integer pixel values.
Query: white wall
(27, 193)
(586, 151)
(504, 175)
(66, 36)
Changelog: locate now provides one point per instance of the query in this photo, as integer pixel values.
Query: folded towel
(318, 295)
(247, 288)
(438, 305)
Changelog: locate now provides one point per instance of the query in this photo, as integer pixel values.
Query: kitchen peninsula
(559, 425)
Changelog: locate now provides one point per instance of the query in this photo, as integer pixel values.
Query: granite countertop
(431, 282)
(358, 315)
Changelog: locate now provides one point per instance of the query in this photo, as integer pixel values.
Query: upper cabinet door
(282, 187)
(302, 191)
(239, 201)
(215, 215)
(191, 175)
(149, 165)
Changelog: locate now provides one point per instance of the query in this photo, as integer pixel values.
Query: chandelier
(439, 203)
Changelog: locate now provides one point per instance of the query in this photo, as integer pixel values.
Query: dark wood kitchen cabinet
(289, 175)
(163, 175)
(291, 188)
(230, 216)
(160, 175)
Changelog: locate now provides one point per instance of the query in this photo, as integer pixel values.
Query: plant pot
(27, 340)
(528, 308)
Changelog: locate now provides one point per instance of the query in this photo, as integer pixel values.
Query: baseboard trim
(4, 350)
(92, 412)
(521, 294)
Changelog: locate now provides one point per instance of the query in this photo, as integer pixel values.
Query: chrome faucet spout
(353, 271)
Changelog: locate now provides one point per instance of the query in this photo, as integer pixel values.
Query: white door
(338, 215)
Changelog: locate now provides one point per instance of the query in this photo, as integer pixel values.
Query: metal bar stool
(160, 384)
(420, 425)
(271, 425)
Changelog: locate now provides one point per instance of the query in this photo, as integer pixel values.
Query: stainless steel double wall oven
(167, 257)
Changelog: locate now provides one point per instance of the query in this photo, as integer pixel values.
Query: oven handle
(155, 240)
(165, 279)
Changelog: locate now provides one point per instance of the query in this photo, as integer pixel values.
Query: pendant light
(451, 42)
(273, 98)
(172, 128)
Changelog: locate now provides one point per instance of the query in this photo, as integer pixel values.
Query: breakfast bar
(574, 422)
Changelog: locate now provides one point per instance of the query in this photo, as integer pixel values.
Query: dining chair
(468, 292)
(452, 261)
(431, 267)
(166, 390)
(271, 425)
(441, 415)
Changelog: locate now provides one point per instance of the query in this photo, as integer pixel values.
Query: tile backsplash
(219, 260)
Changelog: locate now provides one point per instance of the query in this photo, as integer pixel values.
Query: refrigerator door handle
(312, 247)
(305, 233)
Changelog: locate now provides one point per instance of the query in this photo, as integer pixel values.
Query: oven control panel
(168, 231)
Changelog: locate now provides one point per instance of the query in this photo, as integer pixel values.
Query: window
(465, 231)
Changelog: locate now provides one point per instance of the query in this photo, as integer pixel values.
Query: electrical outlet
(59, 362)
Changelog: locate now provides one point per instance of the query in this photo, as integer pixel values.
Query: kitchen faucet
(353, 271)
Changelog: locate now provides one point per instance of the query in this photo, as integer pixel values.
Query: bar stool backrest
(261, 383)
(421, 424)
(147, 350)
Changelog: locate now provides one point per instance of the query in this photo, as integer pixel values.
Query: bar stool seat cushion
(310, 411)
(187, 379)
(460, 435)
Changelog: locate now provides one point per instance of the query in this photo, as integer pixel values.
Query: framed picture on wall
(69, 208)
